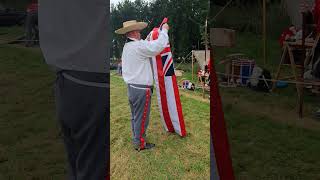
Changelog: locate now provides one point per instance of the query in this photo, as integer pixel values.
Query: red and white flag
(167, 89)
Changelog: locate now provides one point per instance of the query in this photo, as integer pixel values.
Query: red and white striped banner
(167, 90)
(221, 162)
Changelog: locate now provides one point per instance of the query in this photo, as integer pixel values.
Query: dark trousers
(83, 113)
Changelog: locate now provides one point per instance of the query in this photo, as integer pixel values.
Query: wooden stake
(264, 32)
(192, 66)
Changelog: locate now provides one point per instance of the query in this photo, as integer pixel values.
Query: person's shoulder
(142, 41)
(139, 43)
(132, 44)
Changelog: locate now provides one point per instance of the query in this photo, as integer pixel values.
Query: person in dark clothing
(74, 41)
(32, 33)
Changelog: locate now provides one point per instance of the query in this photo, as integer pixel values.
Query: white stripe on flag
(172, 104)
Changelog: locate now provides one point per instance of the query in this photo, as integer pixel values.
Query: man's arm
(153, 48)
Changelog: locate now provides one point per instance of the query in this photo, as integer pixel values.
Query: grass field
(267, 139)
(30, 144)
(174, 157)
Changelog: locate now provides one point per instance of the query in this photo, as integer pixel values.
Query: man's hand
(166, 26)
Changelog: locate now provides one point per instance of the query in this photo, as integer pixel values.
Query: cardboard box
(222, 37)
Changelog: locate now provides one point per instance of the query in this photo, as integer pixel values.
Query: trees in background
(245, 16)
(17, 4)
(186, 19)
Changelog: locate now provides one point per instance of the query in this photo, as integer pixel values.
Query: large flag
(167, 89)
(221, 162)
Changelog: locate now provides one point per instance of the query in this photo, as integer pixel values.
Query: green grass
(30, 145)
(262, 149)
(174, 157)
(267, 139)
(9, 34)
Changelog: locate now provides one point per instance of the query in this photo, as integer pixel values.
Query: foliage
(266, 138)
(246, 16)
(186, 19)
(16, 4)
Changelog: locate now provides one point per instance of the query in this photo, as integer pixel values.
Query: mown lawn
(174, 157)
(30, 144)
(267, 139)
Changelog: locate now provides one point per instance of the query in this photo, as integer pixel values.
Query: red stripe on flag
(162, 89)
(219, 131)
(166, 50)
(178, 105)
(163, 95)
(144, 117)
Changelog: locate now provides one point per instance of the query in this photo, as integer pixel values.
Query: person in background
(287, 34)
(314, 9)
(119, 65)
(32, 23)
(73, 39)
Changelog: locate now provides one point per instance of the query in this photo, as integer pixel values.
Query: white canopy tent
(202, 57)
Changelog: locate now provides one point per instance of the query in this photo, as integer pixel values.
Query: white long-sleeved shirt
(136, 55)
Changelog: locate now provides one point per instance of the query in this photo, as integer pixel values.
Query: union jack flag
(167, 62)
(167, 89)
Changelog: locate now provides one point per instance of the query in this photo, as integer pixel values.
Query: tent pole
(264, 32)
(192, 65)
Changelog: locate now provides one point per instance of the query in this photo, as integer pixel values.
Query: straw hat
(131, 26)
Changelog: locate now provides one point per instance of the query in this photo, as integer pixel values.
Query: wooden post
(284, 53)
(206, 40)
(205, 54)
(301, 87)
(192, 65)
(264, 32)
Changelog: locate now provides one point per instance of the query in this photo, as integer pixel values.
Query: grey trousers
(83, 114)
(140, 101)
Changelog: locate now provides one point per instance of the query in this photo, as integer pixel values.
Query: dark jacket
(74, 34)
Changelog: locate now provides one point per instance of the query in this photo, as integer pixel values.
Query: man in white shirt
(137, 73)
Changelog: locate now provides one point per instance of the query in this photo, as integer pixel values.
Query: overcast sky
(116, 1)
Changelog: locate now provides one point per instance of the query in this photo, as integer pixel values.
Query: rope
(7, 41)
(183, 60)
(214, 18)
(273, 80)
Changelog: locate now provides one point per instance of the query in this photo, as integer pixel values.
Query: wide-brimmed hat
(132, 25)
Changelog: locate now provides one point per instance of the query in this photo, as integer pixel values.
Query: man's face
(293, 29)
(138, 35)
(134, 34)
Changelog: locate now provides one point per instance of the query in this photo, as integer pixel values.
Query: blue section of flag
(170, 71)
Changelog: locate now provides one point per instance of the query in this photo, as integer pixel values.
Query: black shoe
(146, 147)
